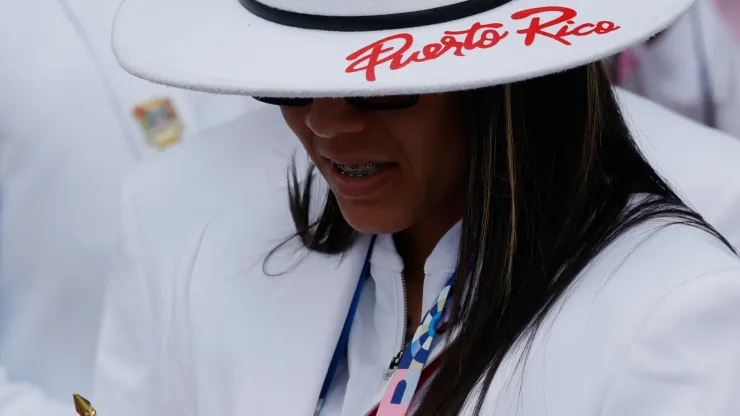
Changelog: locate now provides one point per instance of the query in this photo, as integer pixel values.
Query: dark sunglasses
(387, 103)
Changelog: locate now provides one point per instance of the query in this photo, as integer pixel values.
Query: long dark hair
(552, 167)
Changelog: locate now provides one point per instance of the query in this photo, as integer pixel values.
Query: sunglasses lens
(286, 102)
(389, 102)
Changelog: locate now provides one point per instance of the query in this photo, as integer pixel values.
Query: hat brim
(218, 46)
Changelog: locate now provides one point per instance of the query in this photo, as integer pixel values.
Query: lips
(355, 164)
(350, 156)
(366, 182)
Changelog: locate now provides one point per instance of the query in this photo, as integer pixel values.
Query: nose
(332, 117)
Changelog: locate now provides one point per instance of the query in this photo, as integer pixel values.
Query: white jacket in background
(669, 70)
(67, 139)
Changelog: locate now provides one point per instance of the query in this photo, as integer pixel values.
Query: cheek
(451, 142)
(445, 166)
(436, 155)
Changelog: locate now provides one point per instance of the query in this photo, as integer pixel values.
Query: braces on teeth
(352, 170)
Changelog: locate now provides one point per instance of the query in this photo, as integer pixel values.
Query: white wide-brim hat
(340, 48)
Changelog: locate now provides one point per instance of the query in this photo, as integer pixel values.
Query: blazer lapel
(262, 344)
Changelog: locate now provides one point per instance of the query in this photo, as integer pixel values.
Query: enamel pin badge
(159, 122)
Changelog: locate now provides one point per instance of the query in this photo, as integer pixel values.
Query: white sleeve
(669, 69)
(18, 398)
(140, 369)
(685, 359)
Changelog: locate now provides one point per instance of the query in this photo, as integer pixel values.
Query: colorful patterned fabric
(405, 380)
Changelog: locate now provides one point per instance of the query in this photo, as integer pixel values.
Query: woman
(488, 244)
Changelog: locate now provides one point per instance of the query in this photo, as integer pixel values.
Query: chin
(371, 220)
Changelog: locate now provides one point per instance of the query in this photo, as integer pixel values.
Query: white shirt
(215, 335)
(67, 139)
(378, 330)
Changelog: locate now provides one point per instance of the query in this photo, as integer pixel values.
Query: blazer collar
(272, 323)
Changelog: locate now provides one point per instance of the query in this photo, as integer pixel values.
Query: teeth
(367, 169)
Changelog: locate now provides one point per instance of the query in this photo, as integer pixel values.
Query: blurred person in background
(730, 10)
(692, 68)
(72, 124)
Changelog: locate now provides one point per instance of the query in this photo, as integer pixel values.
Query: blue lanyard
(435, 314)
(341, 348)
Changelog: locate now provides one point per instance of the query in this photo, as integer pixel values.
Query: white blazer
(67, 139)
(650, 329)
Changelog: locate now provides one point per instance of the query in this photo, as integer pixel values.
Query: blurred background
(73, 125)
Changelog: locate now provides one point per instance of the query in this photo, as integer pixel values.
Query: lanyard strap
(341, 348)
(426, 375)
(406, 377)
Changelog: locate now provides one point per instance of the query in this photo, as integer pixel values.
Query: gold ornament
(83, 407)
